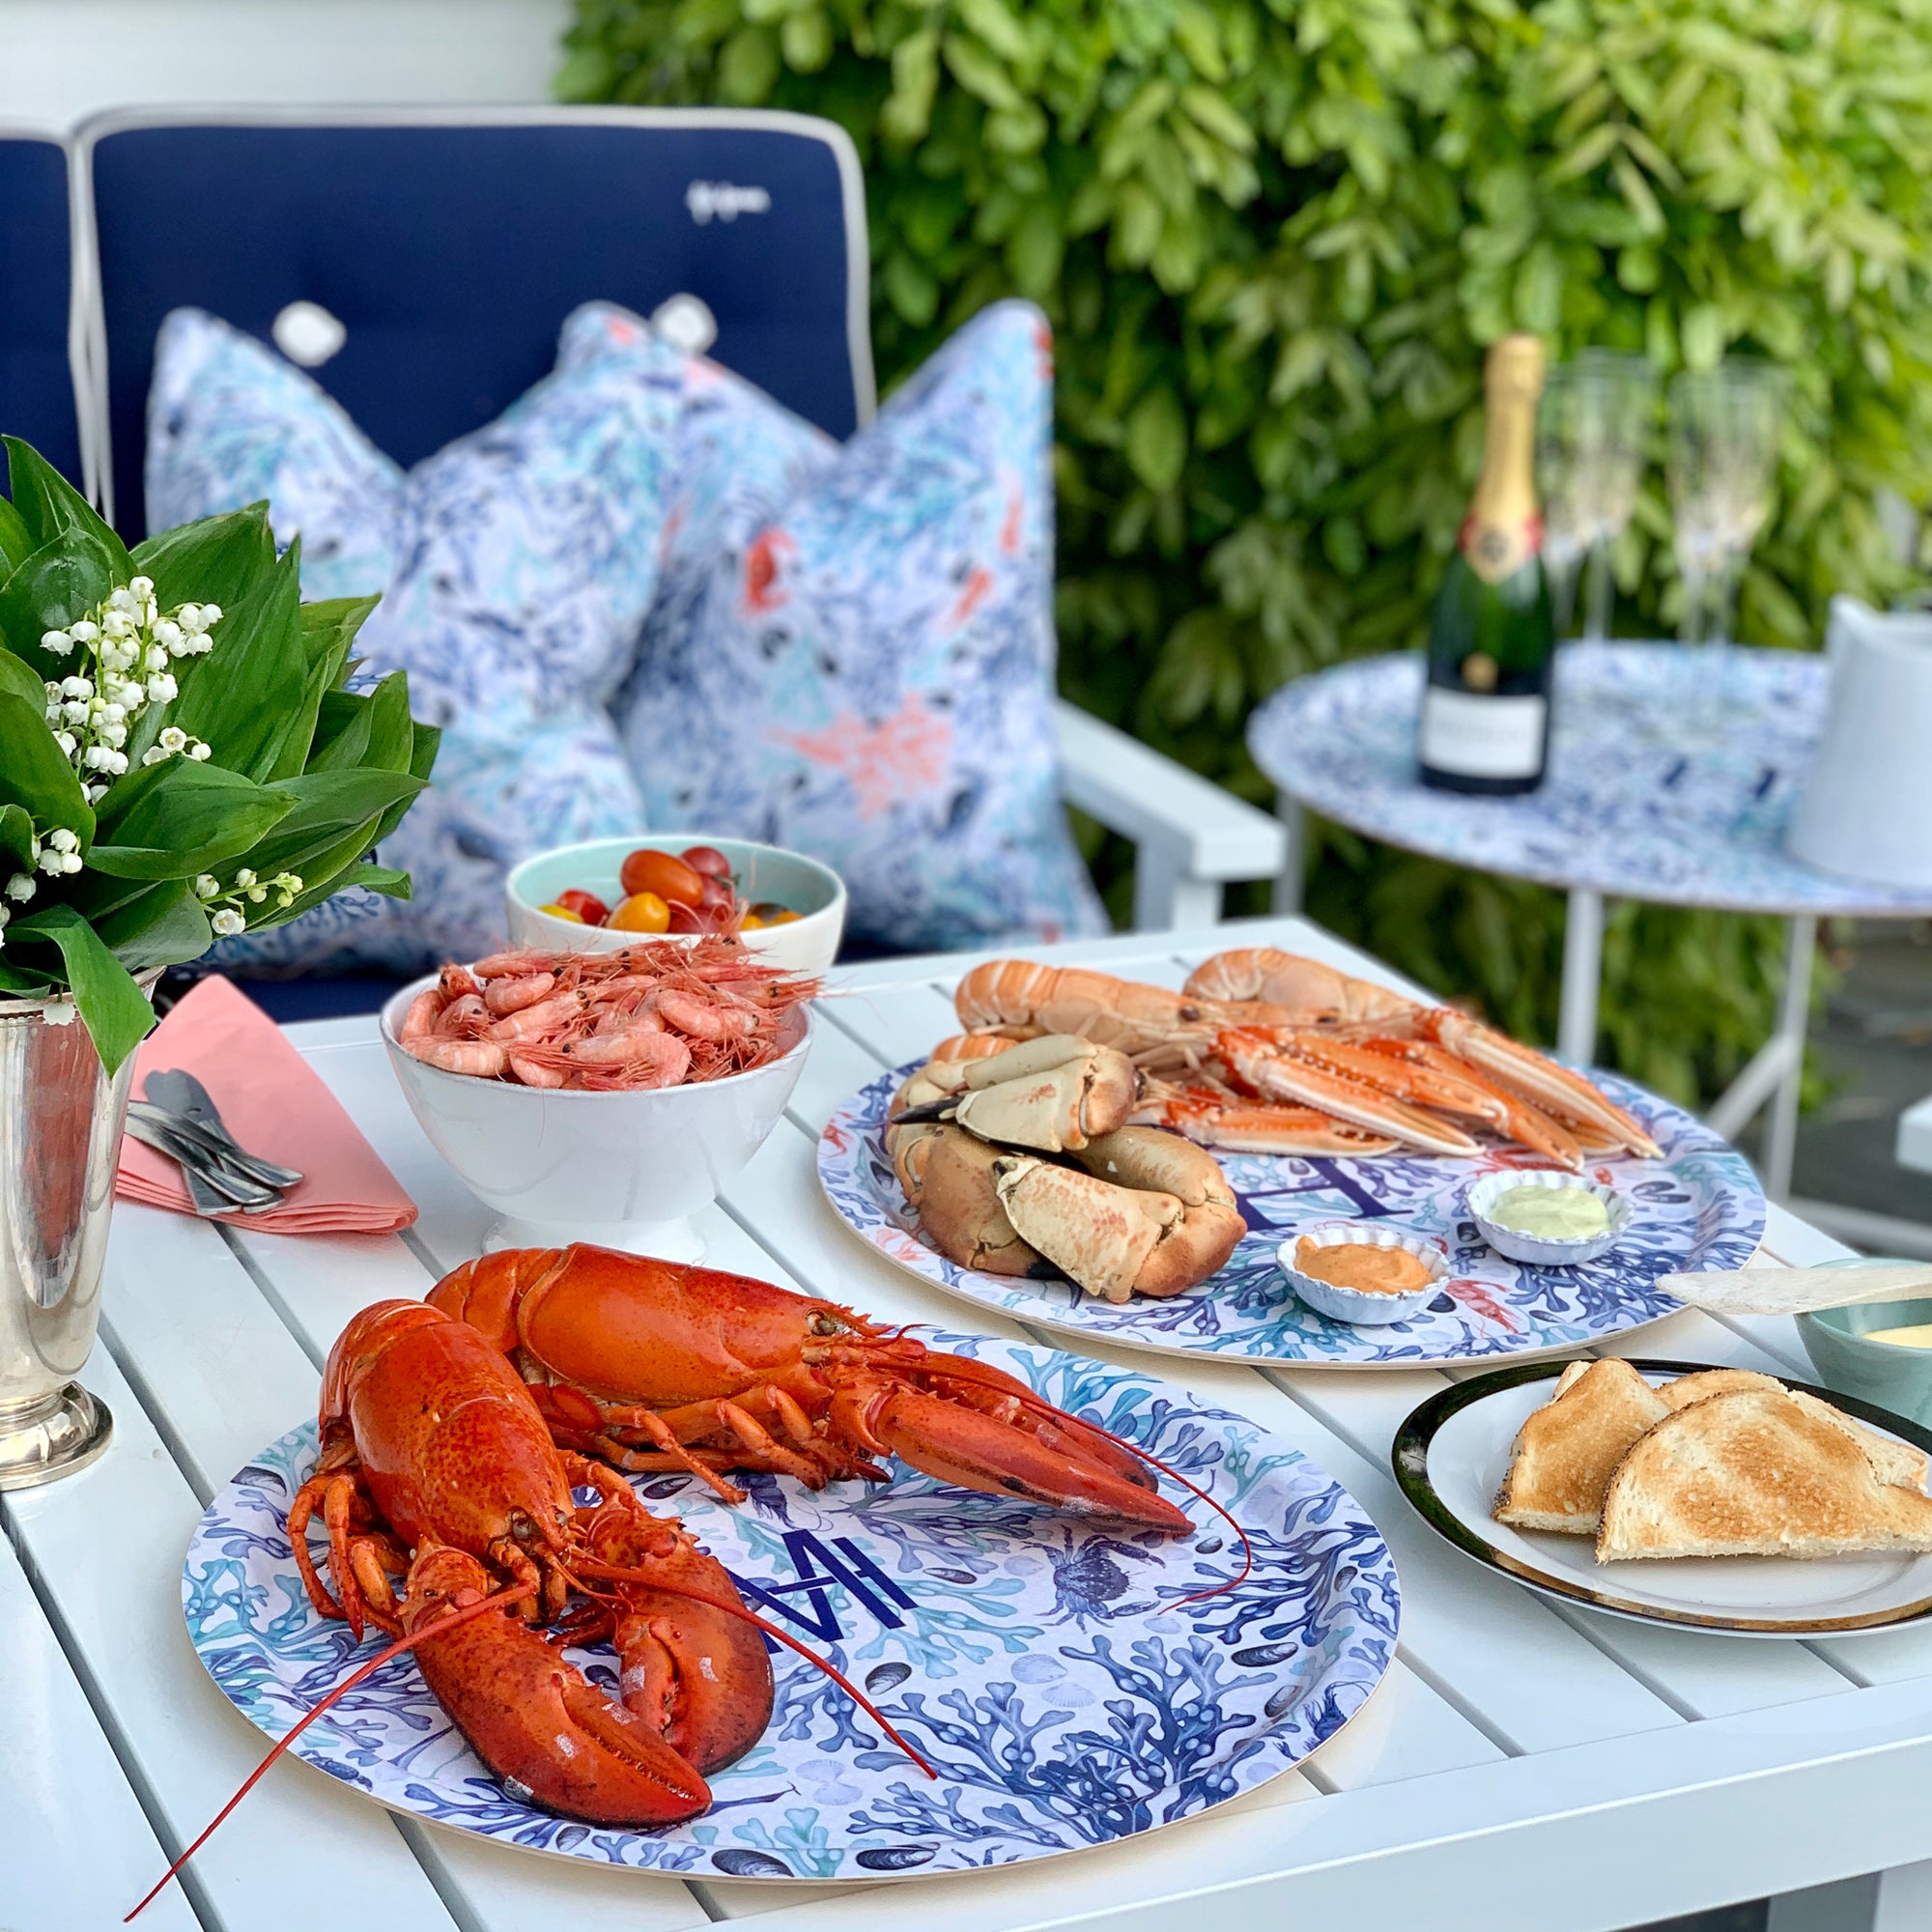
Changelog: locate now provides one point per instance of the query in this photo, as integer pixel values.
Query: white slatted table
(1524, 1769)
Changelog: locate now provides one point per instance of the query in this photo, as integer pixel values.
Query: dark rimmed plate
(1450, 1455)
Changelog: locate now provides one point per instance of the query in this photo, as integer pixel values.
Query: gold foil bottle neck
(1513, 370)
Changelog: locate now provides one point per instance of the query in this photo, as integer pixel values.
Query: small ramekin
(1537, 1250)
(1360, 1307)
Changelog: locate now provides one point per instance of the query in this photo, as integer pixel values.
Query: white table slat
(78, 1851)
(217, 1420)
(107, 1547)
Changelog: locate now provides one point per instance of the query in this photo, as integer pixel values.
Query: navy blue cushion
(36, 382)
(452, 254)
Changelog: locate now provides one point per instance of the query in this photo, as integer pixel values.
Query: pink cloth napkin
(276, 1106)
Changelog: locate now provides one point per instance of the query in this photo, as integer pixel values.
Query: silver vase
(60, 1141)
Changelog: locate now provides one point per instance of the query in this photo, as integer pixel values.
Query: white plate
(1450, 1457)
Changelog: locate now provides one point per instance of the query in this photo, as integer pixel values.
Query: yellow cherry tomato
(563, 912)
(642, 912)
(750, 923)
(781, 919)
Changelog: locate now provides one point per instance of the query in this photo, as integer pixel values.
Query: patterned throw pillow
(851, 650)
(516, 568)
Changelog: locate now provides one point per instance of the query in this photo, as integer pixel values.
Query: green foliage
(110, 872)
(1275, 236)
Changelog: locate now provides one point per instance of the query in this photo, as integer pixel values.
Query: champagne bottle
(1492, 639)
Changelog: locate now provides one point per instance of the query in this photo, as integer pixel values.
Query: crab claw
(551, 1736)
(960, 1444)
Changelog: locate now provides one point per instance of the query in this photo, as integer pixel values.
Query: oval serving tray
(1041, 1661)
(1450, 1457)
(1698, 1207)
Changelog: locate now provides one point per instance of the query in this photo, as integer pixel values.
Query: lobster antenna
(1040, 1405)
(448, 1622)
(617, 1573)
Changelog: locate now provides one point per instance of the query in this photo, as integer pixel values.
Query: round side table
(1647, 799)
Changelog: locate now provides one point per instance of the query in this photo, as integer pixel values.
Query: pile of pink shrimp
(656, 1014)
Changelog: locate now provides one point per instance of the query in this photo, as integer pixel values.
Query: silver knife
(212, 1147)
(210, 1192)
(179, 1091)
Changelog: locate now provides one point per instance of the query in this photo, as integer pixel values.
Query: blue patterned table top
(1052, 1668)
(1644, 800)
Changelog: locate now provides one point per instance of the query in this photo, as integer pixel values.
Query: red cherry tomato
(718, 894)
(688, 919)
(708, 859)
(665, 874)
(587, 906)
(642, 912)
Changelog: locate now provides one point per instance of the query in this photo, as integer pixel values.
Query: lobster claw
(689, 1669)
(553, 1736)
(961, 1444)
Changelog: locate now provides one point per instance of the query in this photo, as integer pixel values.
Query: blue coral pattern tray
(1044, 1663)
(1698, 1207)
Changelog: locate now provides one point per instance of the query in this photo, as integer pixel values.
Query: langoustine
(655, 1014)
(1270, 1052)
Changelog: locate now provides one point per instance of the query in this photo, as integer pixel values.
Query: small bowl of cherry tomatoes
(610, 893)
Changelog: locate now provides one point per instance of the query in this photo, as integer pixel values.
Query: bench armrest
(1190, 836)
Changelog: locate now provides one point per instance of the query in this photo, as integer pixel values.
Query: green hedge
(1274, 238)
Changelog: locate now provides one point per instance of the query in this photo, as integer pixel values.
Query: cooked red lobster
(659, 1365)
(436, 1467)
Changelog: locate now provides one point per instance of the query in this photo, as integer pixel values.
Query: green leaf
(164, 925)
(332, 821)
(1157, 438)
(16, 841)
(20, 678)
(216, 560)
(116, 1012)
(16, 544)
(50, 506)
(67, 577)
(383, 879)
(178, 819)
(260, 675)
(34, 771)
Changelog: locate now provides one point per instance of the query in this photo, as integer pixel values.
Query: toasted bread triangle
(1567, 1450)
(1756, 1473)
(1895, 1462)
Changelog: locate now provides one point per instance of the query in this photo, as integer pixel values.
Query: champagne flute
(1565, 456)
(1625, 390)
(1720, 464)
(1593, 435)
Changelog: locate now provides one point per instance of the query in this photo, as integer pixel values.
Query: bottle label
(1483, 737)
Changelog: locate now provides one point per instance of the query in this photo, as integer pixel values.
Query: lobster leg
(551, 1736)
(962, 1445)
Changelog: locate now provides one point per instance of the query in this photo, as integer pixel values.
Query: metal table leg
(1287, 883)
(1900, 1900)
(1582, 976)
(1794, 1015)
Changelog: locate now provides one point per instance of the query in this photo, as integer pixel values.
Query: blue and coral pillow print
(851, 650)
(516, 568)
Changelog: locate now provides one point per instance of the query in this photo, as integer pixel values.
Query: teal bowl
(1882, 1373)
(808, 944)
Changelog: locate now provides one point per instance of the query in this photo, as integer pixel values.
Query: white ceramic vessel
(1358, 1306)
(624, 1170)
(1537, 1250)
(806, 944)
